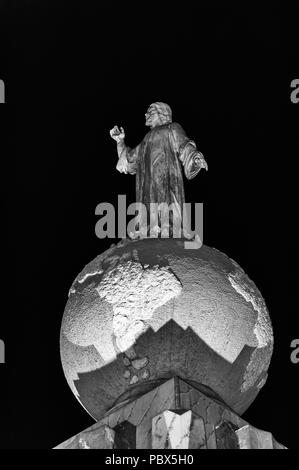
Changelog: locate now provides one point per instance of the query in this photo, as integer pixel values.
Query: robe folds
(158, 162)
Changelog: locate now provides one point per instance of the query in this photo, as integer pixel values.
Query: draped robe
(159, 162)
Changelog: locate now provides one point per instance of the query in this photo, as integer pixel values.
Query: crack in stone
(149, 406)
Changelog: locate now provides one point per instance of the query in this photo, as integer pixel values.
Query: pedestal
(173, 415)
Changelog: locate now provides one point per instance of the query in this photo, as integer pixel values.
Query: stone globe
(150, 309)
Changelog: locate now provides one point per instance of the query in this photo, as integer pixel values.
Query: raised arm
(126, 157)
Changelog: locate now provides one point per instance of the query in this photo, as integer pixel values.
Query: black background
(74, 71)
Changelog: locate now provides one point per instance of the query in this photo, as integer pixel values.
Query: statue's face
(152, 117)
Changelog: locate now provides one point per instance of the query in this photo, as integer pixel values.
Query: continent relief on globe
(147, 310)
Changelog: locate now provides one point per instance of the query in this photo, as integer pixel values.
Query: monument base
(173, 415)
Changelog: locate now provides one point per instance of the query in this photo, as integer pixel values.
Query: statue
(158, 160)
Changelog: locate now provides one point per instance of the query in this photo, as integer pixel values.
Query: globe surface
(147, 310)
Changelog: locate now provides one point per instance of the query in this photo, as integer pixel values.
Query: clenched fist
(117, 135)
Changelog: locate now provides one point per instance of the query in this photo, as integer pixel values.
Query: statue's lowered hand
(204, 165)
(200, 161)
(117, 134)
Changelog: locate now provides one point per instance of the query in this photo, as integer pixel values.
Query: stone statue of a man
(158, 160)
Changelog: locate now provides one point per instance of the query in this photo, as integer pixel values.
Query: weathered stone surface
(125, 436)
(253, 438)
(171, 430)
(226, 437)
(197, 436)
(174, 415)
(151, 309)
(96, 437)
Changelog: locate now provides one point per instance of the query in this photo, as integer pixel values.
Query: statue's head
(158, 113)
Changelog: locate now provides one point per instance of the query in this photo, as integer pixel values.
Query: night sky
(73, 72)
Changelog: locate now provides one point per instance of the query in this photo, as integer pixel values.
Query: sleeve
(186, 151)
(128, 160)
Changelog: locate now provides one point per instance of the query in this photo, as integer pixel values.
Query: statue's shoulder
(175, 126)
